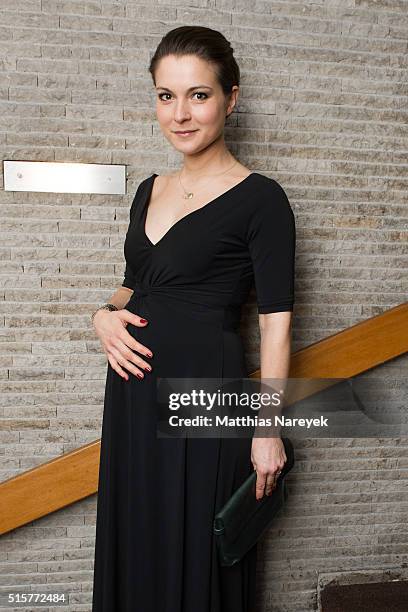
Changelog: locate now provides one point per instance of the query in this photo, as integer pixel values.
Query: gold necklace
(190, 194)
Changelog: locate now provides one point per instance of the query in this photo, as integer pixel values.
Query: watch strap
(110, 307)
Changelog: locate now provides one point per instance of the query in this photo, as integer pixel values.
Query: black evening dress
(157, 497)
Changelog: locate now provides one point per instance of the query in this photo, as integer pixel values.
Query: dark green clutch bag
(243, 519)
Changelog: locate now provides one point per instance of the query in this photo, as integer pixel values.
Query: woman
(197, 239)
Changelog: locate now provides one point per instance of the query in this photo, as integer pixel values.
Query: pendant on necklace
(188, 196)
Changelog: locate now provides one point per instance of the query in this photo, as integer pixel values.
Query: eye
(201, 93)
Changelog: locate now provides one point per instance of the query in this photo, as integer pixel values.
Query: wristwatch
(110, 307)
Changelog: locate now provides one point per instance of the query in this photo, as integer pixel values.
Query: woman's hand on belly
(118, 344)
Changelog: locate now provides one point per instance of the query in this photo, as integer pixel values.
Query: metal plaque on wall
(64, 177)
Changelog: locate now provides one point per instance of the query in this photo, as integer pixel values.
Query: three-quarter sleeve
(271, 239)
(129, 278)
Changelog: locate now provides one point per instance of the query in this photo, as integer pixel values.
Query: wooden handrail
(74, 475)
(354, 350)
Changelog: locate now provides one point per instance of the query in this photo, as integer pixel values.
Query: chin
(186, 146)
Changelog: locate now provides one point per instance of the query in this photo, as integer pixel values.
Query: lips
(185, 131)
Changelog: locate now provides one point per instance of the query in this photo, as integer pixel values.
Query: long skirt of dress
(157, 497)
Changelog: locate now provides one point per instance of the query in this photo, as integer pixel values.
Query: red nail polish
(149, 355)
(143, 320)
(148, 368)
(139, 375)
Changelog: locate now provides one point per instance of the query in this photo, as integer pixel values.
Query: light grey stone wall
(323, 110)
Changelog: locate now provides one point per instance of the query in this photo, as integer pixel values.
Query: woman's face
(189, 97)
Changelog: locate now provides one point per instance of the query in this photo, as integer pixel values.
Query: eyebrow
(189, 89)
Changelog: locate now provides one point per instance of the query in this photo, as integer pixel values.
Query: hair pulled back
(205, 43)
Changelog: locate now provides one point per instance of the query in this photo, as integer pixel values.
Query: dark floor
(371, 597)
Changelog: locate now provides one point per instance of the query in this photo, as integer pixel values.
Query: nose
(181, 112)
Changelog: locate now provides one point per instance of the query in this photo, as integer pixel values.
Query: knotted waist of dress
(205, 305)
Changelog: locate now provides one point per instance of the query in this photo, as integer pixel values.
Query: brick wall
(323, 110)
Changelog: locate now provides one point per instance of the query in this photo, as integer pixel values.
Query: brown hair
(209, 45)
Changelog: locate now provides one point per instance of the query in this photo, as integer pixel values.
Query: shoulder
(141, 190)
(160, 183)
(142, 185)
(269, 209)
(269, 185)
(269, 196)
(162, 179)
(158, 179)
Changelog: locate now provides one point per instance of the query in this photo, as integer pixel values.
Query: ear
(233, 97)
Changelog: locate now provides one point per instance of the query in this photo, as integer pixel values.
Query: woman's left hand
(268, 458)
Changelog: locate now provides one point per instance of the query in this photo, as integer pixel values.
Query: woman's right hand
(110, 327)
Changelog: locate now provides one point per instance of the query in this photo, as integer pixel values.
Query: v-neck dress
(157, 497)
